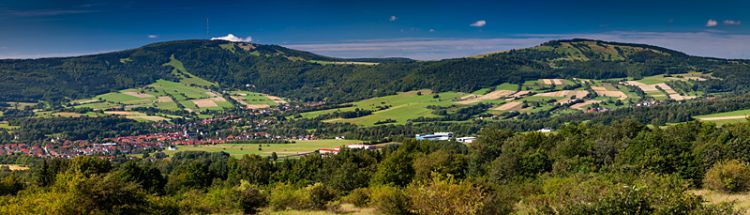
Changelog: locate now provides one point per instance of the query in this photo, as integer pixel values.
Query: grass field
(253, 98)
(190, 93)
(186, 77)
(239, 150)
(404, 106)
(725, 117)
(5, 125)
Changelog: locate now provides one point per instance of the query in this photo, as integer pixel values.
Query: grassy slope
(404, 106)
(254, 98)
(740, 113)
(239, 150)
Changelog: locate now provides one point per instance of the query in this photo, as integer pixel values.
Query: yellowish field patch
(67, 114)
(644, 87)
(136, 115)
(721, 118)
(520, 94)
(580, 106)
(15, 167)
(205, 103)
(497, 94)
(514, 105)
(602, 91)
(138, 94)
(276, 99)
(258, 106)
(557, 82)
(565, 93)
(164, 99)
(123, 113)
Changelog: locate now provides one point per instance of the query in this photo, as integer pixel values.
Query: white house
(466, 139)
(435, 136)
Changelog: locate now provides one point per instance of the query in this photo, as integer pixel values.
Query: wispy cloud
(233, 38)
(732, 22)
(153, 36)
(479, 23)
(705, 43)
(47, 12)
(393, 18)
(711, 23)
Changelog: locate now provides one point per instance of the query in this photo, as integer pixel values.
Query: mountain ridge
(307, 76)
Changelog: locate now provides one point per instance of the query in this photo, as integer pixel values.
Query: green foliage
(731, 176)
(389, 200)
(313, 197)
(445, 196)
(395, 170)
(359, 197)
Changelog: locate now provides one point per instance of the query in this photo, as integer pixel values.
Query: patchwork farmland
(541, 95)
(191, 94)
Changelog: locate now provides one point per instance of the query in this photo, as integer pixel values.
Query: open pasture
(266, 149)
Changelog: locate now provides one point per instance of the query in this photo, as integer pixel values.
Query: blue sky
(358, 28)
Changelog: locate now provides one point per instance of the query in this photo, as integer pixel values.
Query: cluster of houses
(353, 146)
(122, 145)
(444, 136)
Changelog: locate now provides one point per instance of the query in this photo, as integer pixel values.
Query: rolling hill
(304, 76)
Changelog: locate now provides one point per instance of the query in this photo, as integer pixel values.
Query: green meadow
(266, 149)
(253, 98)
(403, 106)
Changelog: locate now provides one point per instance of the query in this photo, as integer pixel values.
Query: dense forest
(622, 168)
(300, 76)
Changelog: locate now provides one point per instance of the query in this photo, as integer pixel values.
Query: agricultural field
(403, 106)
(535, 96)
(263, 149)
(191, 94)
(253, 100)
(725, 117)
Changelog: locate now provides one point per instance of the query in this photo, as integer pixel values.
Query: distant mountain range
(304, 76)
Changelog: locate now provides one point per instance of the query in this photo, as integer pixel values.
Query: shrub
(313, 197)
(731, 176)
(285, 196)
(319, 195)
(358, 197)
(446, 197)
(389, 200)
(251, 198)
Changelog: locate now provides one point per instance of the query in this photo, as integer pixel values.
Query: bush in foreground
(731, 176)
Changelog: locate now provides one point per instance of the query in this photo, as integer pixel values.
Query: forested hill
(305, 76)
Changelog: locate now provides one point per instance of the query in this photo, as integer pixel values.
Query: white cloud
(232, 38)
(479, 23)
(432, 30)
(393, 18)
(732, 22)
(153, 36)
(711, 23)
